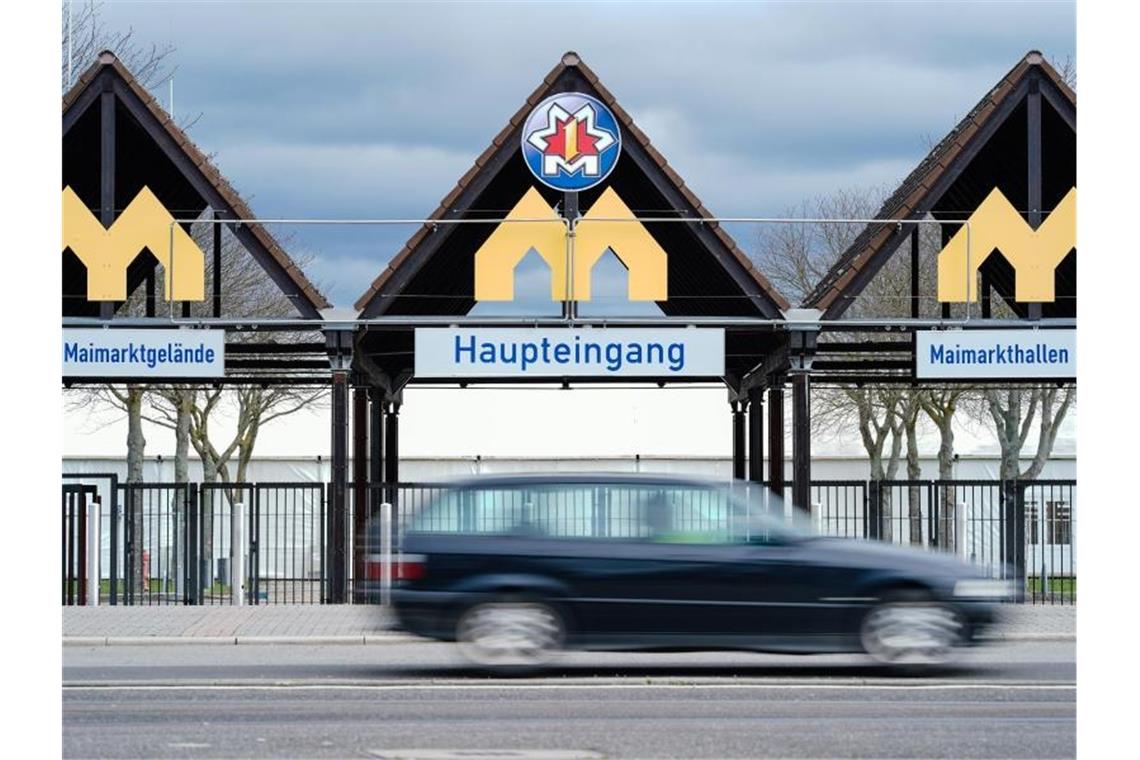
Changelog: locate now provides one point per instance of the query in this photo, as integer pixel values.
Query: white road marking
(483, 754)
(517, 686)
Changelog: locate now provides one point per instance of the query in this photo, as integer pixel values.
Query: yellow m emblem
(107, 253)
(603, 227)
(1033, 254)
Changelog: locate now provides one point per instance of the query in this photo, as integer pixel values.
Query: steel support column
(217, 268)
(914, 285)
(756, 435)
(359, 485)
(107, 171)
(946, 236)
(776, 436)
(570, 211)
(801, 442)
(338, 488)
(738, 440)
(376, 439)
(1033, 120)
(987, 296)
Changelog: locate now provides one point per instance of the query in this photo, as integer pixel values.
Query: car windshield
(666, 512)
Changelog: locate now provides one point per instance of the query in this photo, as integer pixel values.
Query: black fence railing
(166, 543)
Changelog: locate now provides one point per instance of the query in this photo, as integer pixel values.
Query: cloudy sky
(369, 110)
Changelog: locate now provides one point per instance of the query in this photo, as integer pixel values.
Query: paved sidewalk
(357, 624)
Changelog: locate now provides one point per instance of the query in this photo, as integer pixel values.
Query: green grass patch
(1066, 587)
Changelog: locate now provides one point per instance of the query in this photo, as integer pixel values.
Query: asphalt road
(384, 700)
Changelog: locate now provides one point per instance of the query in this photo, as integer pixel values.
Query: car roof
(575, 478)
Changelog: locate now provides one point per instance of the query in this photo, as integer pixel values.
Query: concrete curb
(1030, 637)
(135, 641)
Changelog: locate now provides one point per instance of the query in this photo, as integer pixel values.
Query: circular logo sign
(571, 141)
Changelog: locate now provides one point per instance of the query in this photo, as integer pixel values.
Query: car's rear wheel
(510, 634)
(908, 628)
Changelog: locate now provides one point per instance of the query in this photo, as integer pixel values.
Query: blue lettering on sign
(531, 354)
(1014, 353)
(151, 357)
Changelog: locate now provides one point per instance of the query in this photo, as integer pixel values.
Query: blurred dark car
(516, 568)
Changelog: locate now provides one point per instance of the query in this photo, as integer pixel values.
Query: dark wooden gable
(150, 150)
(989, 148)
(433, 274)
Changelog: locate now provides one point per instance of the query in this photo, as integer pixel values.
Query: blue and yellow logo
(571, 142)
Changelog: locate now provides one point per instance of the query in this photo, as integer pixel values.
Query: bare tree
(1014, 412)
(85, 35)
(796, 257)
(1067, 69)
(247, 291)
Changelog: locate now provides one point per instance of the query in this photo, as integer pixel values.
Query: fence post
(93, 549)
(237, 554)
(79, 538)
(385, 554)
(113, 489)
(69, 500)
(193, 560)
(960, 529)
(933, 517)
(1013, 532)
(874, 515)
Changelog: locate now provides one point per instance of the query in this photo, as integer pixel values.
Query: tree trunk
(913, 473)
(185, 403)
(136, 447)
(949, 513)
(207, 501)
(1050, 425)
(886, 504)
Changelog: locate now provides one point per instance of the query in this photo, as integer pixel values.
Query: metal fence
(166, 543)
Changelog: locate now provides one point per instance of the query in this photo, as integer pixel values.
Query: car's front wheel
(910, 629)
(510, 634)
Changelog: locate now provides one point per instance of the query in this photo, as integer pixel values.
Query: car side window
(579, 510)
(662, 513)
(691, 515)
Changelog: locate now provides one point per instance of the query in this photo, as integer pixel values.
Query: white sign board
(569, 352)
(144, 353)
(996, 354)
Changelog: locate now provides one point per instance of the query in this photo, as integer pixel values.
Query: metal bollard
(386, 554)
(237, 554)
(93, 546)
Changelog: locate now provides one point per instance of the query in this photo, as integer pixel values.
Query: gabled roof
(571, 62)
(206, 179)
(925, 184)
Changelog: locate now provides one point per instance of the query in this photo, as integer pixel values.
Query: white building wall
(427, 469)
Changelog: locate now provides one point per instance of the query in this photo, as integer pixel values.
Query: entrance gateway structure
(570, 177)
